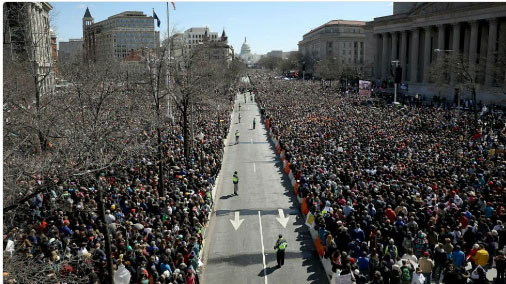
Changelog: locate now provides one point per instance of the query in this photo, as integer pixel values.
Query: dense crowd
(155, 238)
(400, 193)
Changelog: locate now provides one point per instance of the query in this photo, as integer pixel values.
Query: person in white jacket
(417, 277)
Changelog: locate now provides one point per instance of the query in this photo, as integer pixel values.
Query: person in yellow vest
(280, 247)
(237, 137)
(235, 180)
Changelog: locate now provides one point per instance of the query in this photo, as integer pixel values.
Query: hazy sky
(266, 25)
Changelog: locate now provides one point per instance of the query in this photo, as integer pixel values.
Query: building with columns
(340, 39)
(418, 32)
(27, 40)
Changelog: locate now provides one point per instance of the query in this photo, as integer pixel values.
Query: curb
(327, 266)
(214, 190)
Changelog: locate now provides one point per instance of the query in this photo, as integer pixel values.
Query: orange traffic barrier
(287, 168)
(320, 249)
(296, 188)
(303, 207)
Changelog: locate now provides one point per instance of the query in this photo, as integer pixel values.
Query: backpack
(406, 274)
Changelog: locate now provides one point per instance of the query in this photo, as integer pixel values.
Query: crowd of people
(401, 194)
(155, 238)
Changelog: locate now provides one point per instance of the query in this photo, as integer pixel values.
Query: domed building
(246, 52)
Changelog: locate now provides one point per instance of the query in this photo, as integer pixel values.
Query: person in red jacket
(390, 213)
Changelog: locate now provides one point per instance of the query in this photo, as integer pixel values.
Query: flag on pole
(173, 5)
(156, 17)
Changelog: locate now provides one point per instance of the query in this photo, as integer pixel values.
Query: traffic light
(398, 75)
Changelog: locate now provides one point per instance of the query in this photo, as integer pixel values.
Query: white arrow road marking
(263, 248)
(236, 223)
(254, 168)
(281, 219)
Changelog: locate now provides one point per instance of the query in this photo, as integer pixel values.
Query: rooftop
(338, 22)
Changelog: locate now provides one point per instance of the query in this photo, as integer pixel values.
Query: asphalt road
(243, 229)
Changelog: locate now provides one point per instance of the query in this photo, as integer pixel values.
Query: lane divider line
(263, 248)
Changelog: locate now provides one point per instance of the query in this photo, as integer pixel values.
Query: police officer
(280, 247)
(254, 122)
(237, 136)
(235, 180)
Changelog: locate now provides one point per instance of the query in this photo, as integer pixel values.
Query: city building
(117, 36)
(418, 32)
(216, 47)
(54, 53)
(275, 53)
(70, 51)
(339, 39)
(195, 36)
(27, 39)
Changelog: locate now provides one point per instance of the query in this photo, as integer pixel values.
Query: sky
(266, 25)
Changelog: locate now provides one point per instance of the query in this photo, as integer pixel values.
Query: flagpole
(154, 28)
(167, 78)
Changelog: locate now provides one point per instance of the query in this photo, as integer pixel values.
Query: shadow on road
(227, 196)
(267, 271)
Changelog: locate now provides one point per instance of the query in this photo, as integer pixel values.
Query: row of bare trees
(95, 125)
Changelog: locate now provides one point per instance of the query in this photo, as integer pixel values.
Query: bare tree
(27, 44)
(328, 69)
(96, 126)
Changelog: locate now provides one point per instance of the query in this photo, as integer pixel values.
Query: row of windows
(133, 41)
(343, 30)
(201, 36)
(140, 23)
(133, 35)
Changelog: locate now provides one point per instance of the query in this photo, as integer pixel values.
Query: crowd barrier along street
(213, 193)
(320, 249)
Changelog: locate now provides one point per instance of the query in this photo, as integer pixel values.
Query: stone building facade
(27, 38)
(70, 51)
(116, 37)
(340, 39)
(417, 33)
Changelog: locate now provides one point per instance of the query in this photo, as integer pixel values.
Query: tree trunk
(186, 143)
(41, 143)
(105, 231)
(475, 109)
(160, 162)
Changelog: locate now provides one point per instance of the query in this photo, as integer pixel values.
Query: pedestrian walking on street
(235, 180)
(426, 265)
(237, 136)
(280, 247)
(254, 122)
(239, 118)
(500, 265)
